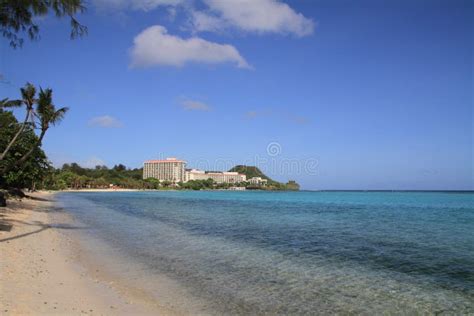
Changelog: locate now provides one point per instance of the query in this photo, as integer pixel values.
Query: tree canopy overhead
(17, 17)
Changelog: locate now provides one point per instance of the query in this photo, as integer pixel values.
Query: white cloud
(261, 16)
(205, 22)
(147, 5)
(144, 5)
(106, 121)
(155, 47)
(191, 105)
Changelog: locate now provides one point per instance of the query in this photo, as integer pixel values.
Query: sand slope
(38, 270)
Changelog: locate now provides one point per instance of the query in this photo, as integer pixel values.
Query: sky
(333, 94)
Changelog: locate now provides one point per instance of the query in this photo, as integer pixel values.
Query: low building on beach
(218, 177)
(258, 181)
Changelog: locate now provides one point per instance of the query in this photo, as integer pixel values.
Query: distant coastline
(315, 191)
(162, 175)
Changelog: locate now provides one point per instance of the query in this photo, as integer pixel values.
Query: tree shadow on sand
(6, 223)
(41, 227)
(35, 198)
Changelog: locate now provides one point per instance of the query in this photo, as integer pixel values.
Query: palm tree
(28, 94)
(47, 116)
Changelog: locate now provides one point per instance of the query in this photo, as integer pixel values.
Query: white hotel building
(218, 177)
(169, 169)
(173, 170)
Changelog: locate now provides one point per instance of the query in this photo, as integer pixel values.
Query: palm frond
(45, 99)
(28, 92)
(46, 110)
(5, 103)
(58, 116)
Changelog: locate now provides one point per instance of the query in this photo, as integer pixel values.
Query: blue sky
(356, 96)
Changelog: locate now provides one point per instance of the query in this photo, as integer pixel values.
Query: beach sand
(104, 190)
(41, 273)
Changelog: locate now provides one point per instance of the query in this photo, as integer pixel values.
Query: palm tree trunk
(10, 144)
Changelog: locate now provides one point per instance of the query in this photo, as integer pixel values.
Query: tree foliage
(17, 17)
(47, 116)
(100, 177)
(32, 172)
(22, 162)
(39, 112)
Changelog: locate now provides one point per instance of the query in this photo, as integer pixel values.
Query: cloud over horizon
(154, 46)
(105, 121)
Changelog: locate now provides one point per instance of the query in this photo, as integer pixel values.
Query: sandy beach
(41, 272)
(104, 190)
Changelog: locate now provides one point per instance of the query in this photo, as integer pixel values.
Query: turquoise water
(297, 252)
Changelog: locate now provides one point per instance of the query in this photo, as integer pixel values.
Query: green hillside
(252, 171)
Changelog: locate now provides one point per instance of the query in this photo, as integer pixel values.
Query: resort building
(218, 177)
(173, 170)
(195, 174)
(258, 181)
(169, 169)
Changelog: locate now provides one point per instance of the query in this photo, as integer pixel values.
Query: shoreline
(101, 190)
(168, 190)
(44, 269)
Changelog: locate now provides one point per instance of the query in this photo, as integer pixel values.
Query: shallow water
(296, 252)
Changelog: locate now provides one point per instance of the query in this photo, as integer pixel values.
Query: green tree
(48, 115)
(17, 17)
(165, 183)
(67, 177)
(74, 167)
(152, 183)
(34, 169)
(209, 183)
(120, 167)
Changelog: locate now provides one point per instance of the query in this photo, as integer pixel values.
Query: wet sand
(41, 271)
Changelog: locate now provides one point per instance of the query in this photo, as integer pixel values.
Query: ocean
(257, 252)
